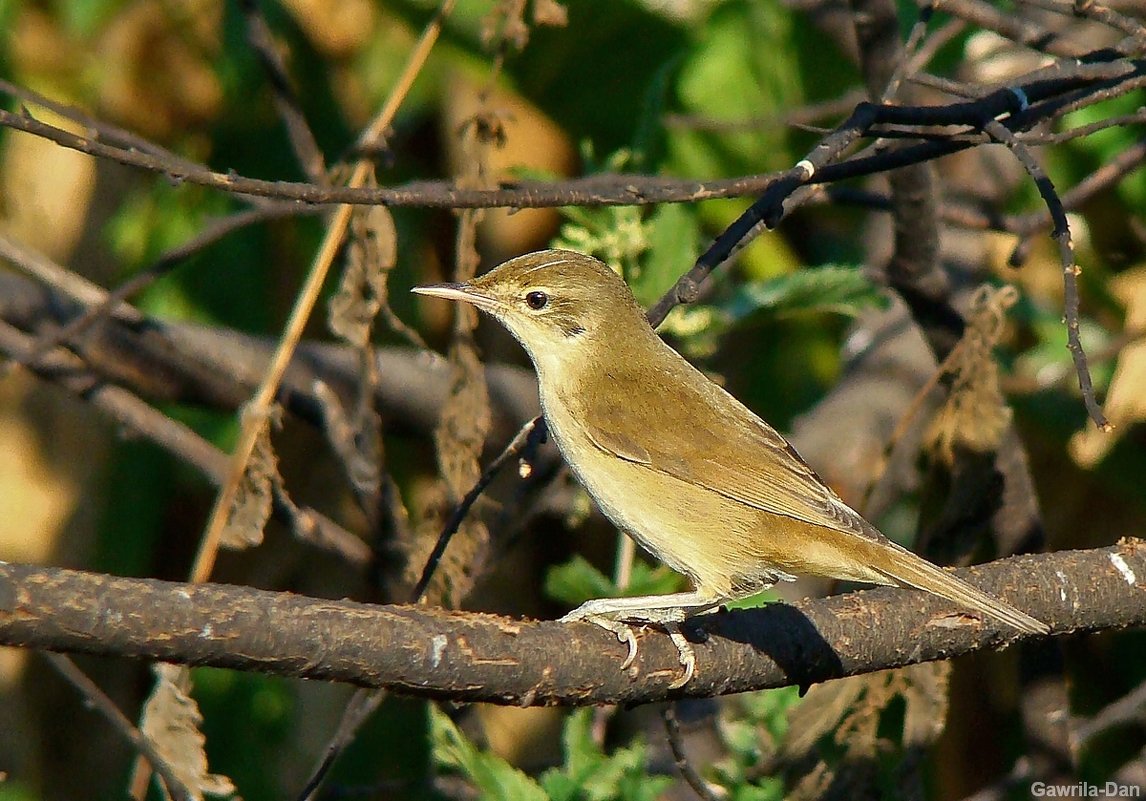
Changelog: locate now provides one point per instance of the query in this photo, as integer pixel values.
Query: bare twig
(1070, 269)
(527, 438)
(301, 137)
(98, 699)
(168, 261)
(680, 758)
(142, 419)
(1058, 81)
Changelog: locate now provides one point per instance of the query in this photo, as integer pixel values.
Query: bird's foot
(667, 619)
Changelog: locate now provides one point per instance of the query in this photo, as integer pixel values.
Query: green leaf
(592, 775)
(828, 288)
(673, 241)
(741, 67)
(491, 775)
(577, 581)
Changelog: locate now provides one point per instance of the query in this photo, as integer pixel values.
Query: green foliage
(84, 19)
(826, 289)
(1104, 146)
(14, 790)
(492, 776)
(587, 772)
(739, 68)
(577, 581)
(650, 249)
(829, 288)
(1044, 357)
(673, 245)
(588, 75)
(243, 753)
(750, 728)
(224, 284)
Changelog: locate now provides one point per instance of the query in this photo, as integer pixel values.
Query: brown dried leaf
(824, 706)
(550, 12)
(254, 498)
(171, 720)
(975, 415)
(357, 442)
(925, 692)
(505, 23)
(462, 430)
(849, 711)
(362, 292)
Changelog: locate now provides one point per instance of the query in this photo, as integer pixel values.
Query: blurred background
(797, 327)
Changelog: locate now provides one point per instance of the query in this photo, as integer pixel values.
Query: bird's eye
(536, 300)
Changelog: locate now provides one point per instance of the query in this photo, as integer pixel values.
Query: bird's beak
(453, 291)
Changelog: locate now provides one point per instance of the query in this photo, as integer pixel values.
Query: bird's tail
(902, 567)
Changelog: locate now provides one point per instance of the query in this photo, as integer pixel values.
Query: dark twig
(1089, 9)
(680, 758)
(69, 371)
(1129, 708)
(302, 140)
(527, 438)
(1070, 270)
(1058, 81)
(1026, 225)
(359, 708)
(592, 190)
(1018, 29)
(765, 212)
(98, 129)
(806, 114)
(98, 699)
(211, 233)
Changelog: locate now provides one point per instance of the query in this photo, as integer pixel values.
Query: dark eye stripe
(536, 300)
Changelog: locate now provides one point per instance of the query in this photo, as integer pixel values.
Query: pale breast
(693, 531)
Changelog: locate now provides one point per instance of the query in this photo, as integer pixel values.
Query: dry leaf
(362, 292)
(358, 443)
(848, 712)
(251, 508)
(975, 414)
(550, 12)
(925, 691)
(171, 720)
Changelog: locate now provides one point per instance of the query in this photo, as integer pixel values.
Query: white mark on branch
(1123, 568)
(1062, 586)
(437, 648)
(207, 631)
(808, 168)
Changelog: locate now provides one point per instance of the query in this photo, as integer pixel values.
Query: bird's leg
(664, 611)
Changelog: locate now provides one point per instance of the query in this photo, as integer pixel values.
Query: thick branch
(482, 657)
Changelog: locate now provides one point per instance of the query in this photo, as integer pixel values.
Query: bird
(679, 464)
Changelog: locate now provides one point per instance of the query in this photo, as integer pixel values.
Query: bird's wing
(701, 434)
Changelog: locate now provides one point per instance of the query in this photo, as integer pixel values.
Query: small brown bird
(676, 462)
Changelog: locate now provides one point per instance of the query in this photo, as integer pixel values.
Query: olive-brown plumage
(675, 461)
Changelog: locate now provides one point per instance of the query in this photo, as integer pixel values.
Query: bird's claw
(625, 634)
(685, 654)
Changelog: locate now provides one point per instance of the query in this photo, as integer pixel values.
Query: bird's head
(556, 303)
